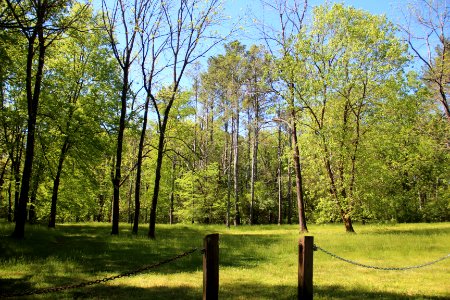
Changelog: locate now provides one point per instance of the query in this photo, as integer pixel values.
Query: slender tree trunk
(249, 179)
(2, 181)
(254, 171)
(444, 102)
(172, 192)
(279, 166)
(10, 212)
(237, 215)
(101, 203)
(289, 194)
(32, 216)
(16, 189)
(229, 152)
(118, 165)
(334, 191)
(32, 211)
(159, 160)
(253, 178)
(289, 187)
(56, 181)
(130, 194)
(298, 176)
(33, 94)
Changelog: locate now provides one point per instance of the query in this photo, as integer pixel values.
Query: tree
(73, 110)
(429, 26)
(345, 64)
(153, 46)
(256, 90)
(41, 23)
(12, 116)
(187, 25)
(127, 17)
(291, 15)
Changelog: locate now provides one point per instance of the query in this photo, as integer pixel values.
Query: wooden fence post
(211, 267)
(305, 267)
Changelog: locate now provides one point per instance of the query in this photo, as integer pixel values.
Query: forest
(151, 112)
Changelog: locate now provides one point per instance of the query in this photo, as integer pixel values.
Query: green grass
(258, 262)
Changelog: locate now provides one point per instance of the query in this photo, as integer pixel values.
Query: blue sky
(247, 9)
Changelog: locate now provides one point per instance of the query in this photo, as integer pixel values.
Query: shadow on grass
(72, 254)
(93, 250)
(337, 292)
(230, 291)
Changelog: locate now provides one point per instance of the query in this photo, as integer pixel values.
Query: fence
(210, 253)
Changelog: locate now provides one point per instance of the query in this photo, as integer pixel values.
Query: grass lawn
(258, 262)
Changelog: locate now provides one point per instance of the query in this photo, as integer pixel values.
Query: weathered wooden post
(211, 267)
(305, 267)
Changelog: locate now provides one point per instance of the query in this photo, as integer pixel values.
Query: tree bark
(64, 149)
(159, 159)
(119, 150)
(279, 182)
(334, 191)
(298, 180)
(33, 94)
(289, 187)
(254, 171)
(229, 155)
(237, 215)
(172, 192)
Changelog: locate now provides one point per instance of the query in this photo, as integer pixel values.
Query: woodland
(151, 112)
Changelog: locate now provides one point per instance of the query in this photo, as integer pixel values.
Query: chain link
(380, 268)
(97, 281)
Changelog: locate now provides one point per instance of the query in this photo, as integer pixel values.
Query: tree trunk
(32, 217)
(33, 104)
(2, 180)
(56, 181)
(237, 216)
(279, 166)
(32, 211)
(172, 192)
(289, 187)
(229, 155)
(101, 203)
(159, 160)
(16, 172)
(10, 212)
(298, 176)
(253, 176)
(254, 171)
(334, 191)
(118, 167)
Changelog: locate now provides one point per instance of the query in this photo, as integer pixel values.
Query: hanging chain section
(380, 268)
(106, 279)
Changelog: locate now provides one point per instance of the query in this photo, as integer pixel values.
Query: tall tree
(344, 65)
(282, 38)
(153, 46)
(188, 22)
(41, 23)
(122, 20)
(72, 107)
(256, 91)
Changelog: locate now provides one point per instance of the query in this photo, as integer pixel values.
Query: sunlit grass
(256, 262)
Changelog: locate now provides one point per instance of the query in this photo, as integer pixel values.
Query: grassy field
(258, 262)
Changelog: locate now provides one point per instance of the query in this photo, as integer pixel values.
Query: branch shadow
(228, 291)
(338, 292)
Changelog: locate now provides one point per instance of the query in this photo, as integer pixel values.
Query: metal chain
(381, 268)
(106, 279)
